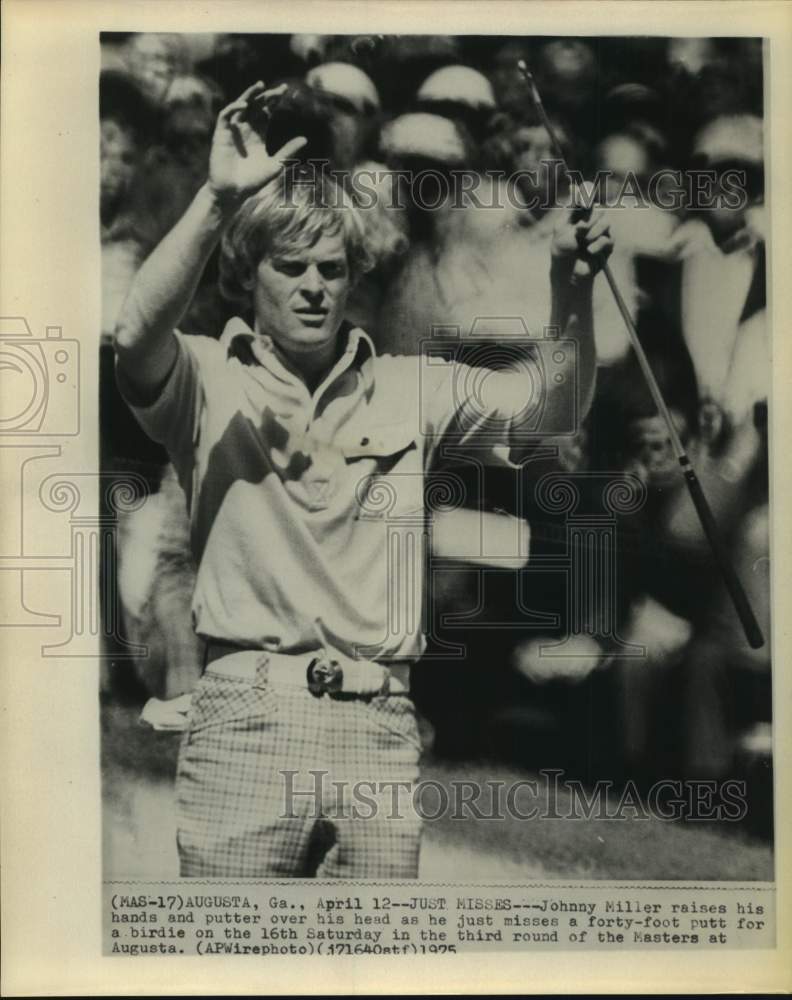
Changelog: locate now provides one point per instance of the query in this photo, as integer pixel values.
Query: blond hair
(291, 214)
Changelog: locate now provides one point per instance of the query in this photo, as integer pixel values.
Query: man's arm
(503, 407)
(163, 289)
(580, 248)
(239, 165)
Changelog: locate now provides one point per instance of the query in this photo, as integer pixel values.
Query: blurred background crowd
(697, 703)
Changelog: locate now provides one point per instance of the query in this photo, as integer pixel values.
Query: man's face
(533, 153)
(120, 158)
(299, 296)
(348, 126)
(651, 447)
(619, 157)
(153, 61)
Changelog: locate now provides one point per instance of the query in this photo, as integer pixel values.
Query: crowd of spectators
(636, 110)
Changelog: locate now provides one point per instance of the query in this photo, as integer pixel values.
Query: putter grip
(739, 598)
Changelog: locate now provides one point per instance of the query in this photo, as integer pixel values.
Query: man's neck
(313, 366)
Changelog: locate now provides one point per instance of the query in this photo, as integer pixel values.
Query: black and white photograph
(442, 363)
(392, 435)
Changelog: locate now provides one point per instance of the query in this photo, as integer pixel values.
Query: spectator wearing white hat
(419, 135)
(354, 105)
(460, 84)
(722, 248)
(460, 93)
(427, 153)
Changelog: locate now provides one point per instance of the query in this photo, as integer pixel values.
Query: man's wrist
(222, 205)
(564, 279)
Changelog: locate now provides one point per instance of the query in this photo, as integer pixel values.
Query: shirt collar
(250, 348)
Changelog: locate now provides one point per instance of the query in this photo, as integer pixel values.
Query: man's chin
(308, 338)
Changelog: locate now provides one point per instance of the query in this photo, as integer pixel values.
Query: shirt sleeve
(173, 418)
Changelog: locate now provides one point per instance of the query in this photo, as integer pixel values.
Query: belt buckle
(324, 676)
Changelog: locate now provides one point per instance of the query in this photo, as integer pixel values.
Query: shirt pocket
(391, 474)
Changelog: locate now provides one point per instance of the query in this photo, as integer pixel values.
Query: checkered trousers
(274, 782)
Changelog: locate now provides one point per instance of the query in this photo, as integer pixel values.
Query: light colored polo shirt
(307, 506)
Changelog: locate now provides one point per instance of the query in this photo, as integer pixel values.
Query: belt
(318, 671)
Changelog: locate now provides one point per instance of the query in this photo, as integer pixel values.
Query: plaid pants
(274, 782)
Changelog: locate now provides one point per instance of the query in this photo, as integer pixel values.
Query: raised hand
(582, 240)
(240, 163)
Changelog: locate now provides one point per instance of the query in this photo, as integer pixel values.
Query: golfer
(302, 454)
